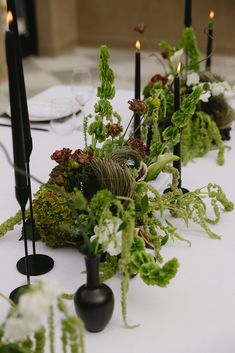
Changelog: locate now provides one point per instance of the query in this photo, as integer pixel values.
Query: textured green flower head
(106, 75)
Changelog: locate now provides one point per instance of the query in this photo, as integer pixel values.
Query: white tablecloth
(194, 314)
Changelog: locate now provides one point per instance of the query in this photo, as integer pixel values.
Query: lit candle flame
(178, 68)
(137, 45)
(211, 15)
(9, 18)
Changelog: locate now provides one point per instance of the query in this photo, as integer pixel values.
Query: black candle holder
(38, 264)
(15, 294)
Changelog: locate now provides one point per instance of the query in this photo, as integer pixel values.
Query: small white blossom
(17, 329)
(34, 305)
(170, 78)
(32, 310)
(192, 79)
(217, 88)
(51, 289)
(176, 58)
(226, 85)
(110, 236)
(204, 97)
(229, 94)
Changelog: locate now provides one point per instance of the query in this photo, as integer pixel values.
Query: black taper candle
(13, 27)
(177, 147)
(210, 33)
(137, 87)
(21, 187)
(188, 13)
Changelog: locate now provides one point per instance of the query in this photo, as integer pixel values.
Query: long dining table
(194, 314)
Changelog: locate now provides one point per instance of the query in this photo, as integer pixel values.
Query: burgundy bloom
(138, 145)
(165, 54)
(140, 28)
(82, 157)
(159, 77)
(113, 130)
(57, 175)
(138, 106)
(61, 156)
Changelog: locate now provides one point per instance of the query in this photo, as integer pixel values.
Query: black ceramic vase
(94, 301)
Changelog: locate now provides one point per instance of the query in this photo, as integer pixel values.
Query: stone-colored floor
(42, 72)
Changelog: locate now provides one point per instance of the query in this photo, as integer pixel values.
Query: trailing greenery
(199, 137)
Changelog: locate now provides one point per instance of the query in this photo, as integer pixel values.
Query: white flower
(110, 236)
(34, 305)
(17, 329)
(204, 97)
(170, 78)
(217, 88)
(51, 289)
(226, 85)
(229, 94)
(176, 58)
(192, 79)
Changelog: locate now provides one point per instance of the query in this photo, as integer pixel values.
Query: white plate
(39, 106)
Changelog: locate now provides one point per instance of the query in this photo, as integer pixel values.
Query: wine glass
(62, 116)
(82, 88)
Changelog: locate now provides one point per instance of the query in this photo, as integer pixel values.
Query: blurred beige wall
(111, 22)
(64, 24)
(57, 24)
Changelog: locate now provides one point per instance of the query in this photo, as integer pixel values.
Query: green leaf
(162, 161)
(138, 244)
(164, 240)
(152, 274)
(144, 204)
(180, 119)
(171, 133)
(138, 259)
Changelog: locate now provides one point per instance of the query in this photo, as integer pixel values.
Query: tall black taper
(38, 263)
(21, 186)
(210, 34)
(137, 131)
(188, 13)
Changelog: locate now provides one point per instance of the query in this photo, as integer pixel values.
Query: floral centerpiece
(211, 121)
(100, 198)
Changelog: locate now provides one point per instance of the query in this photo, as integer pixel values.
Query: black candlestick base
(169, 190)
(38, 264)
(16, 293)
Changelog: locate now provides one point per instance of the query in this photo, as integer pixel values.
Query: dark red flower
(57, 175)
(140, 27)
(61, 156)
(82, 157)
(159, 77)
(138, 145)
(165, 54)
(113, 130)
(138, 106)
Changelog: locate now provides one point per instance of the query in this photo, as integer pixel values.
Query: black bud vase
(94, 302)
